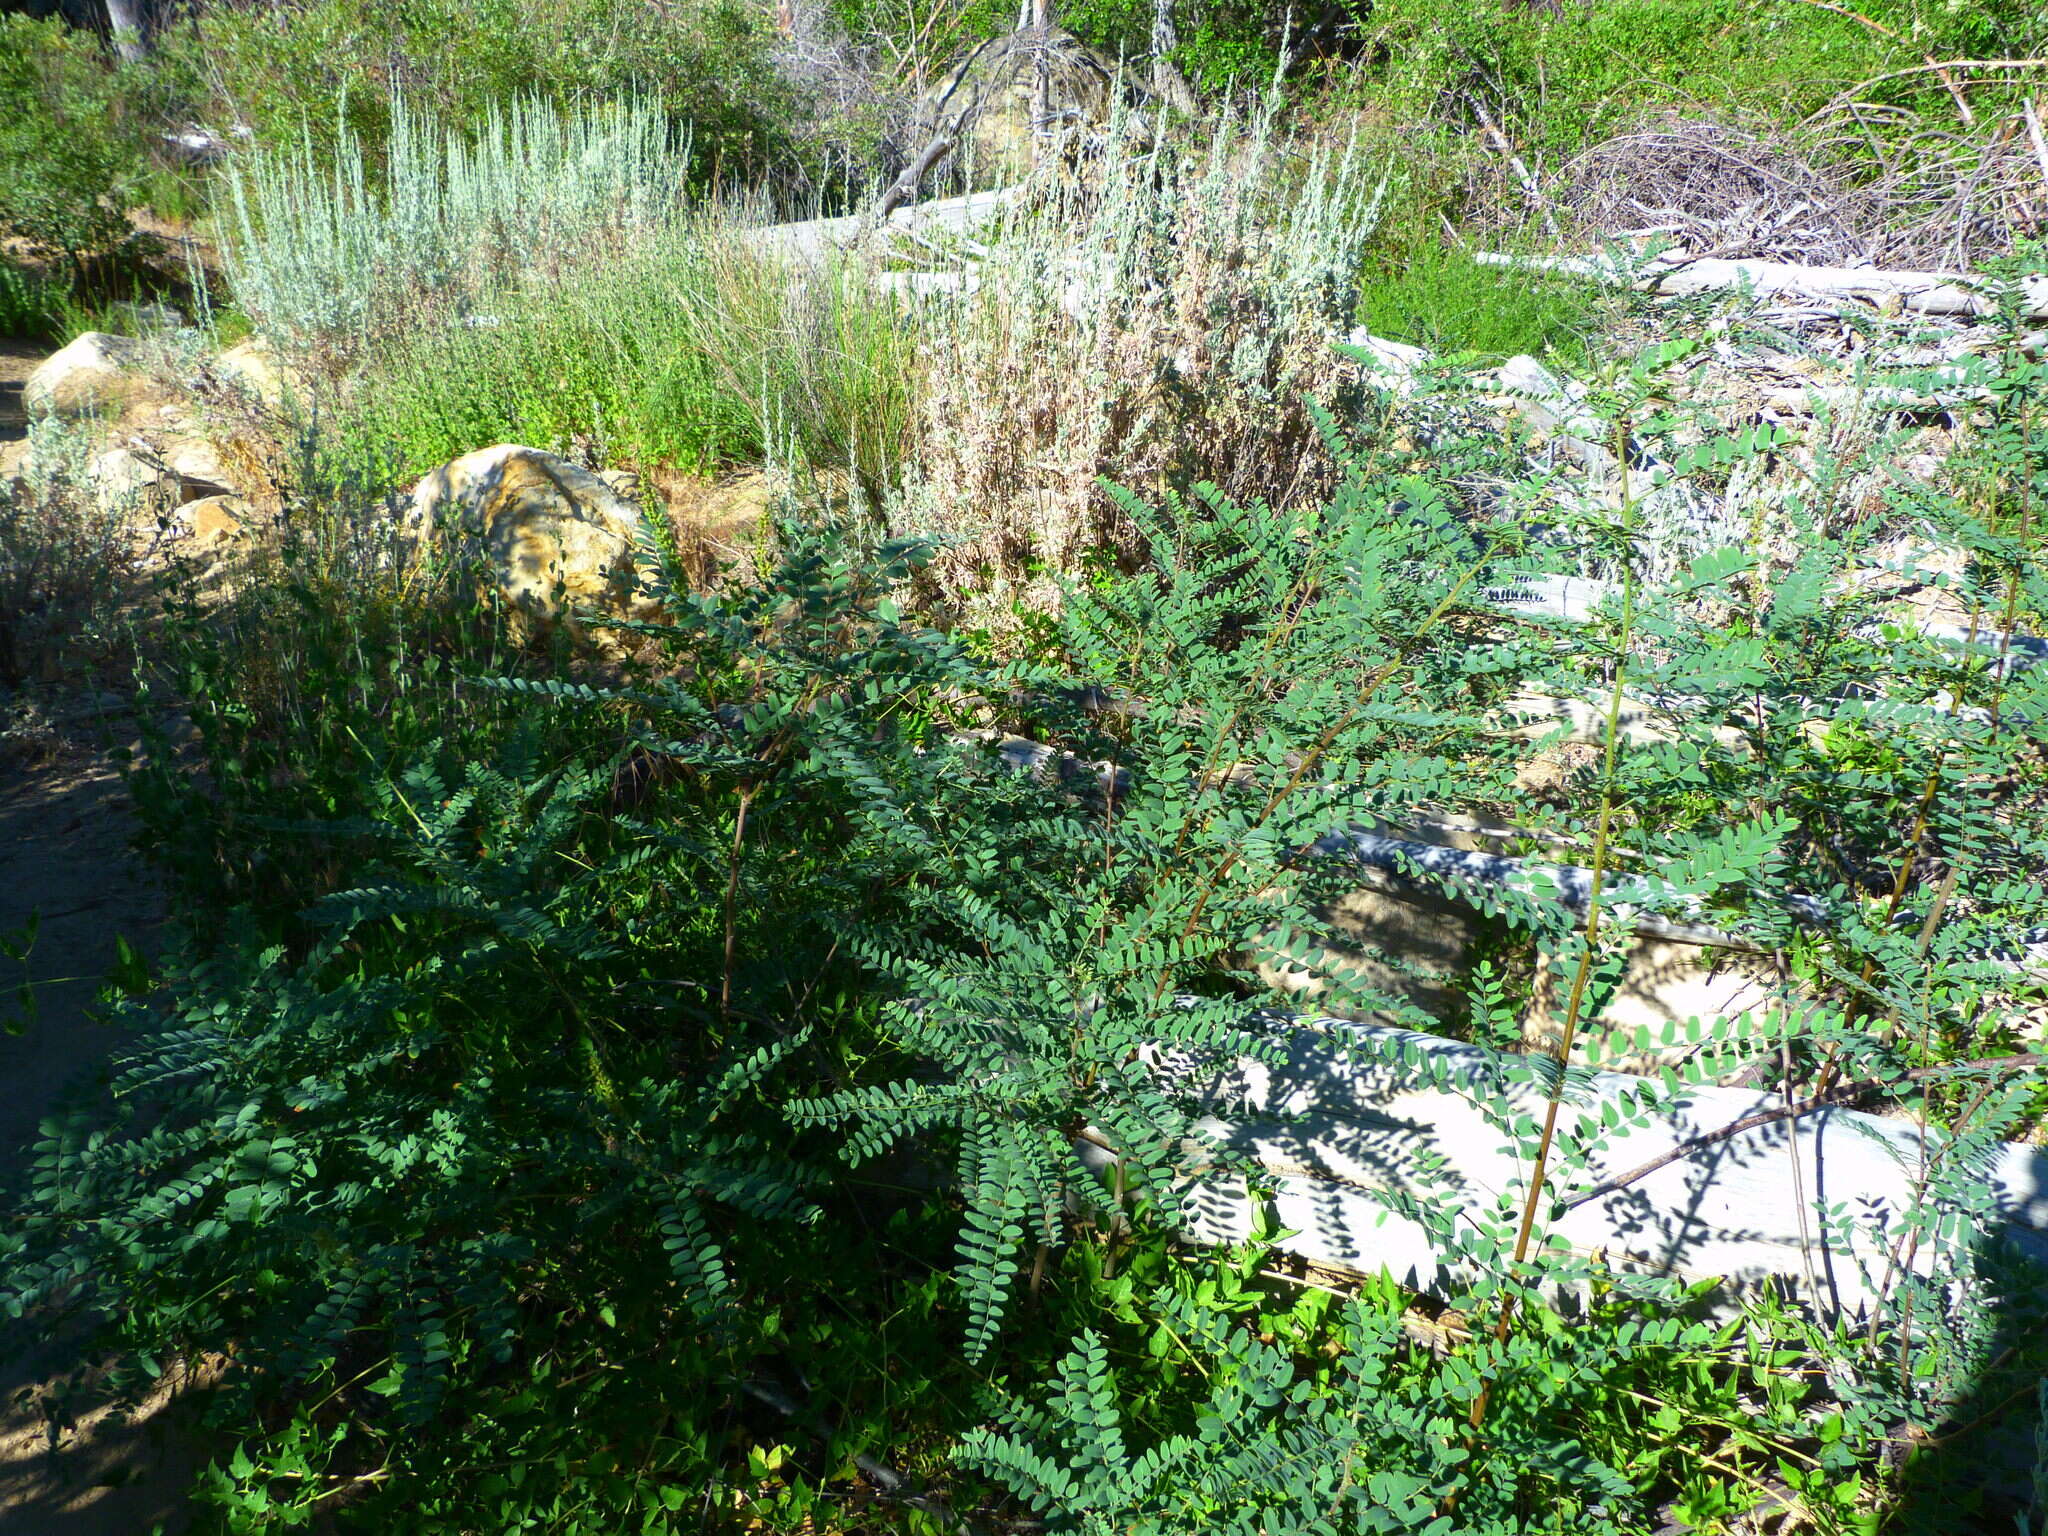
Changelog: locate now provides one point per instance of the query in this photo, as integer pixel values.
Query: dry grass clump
(69, 558)
(1169, 323)
(1869, 185)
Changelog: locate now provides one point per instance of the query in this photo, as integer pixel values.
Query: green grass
(1560, 80)
(35, 306)
(1438, 297)
(689, 351)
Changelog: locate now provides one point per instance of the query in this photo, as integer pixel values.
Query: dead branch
(1530, 189)
(1947, 79)
(1927, 293)
(1932, 66)
(1829, 1098)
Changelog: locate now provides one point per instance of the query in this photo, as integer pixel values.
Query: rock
(1420, 949)
(134, 472)
(556, 539)
(96, 374)
(253, 366)
(1560, 773)
(196, 464)
(1413, 947)
(121, 478)
(1670, 994)
(147, 318)
(213, 521)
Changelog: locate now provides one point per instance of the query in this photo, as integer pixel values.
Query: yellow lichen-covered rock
(95, 374)
(214, 521)
(253, 366)
(556, 539)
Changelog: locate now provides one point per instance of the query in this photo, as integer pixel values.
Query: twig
(732, 890)
(2031, 112)
(1947, 79)
(1539, 1174)
(946, 130)
(1931, 66)
(1515, 163)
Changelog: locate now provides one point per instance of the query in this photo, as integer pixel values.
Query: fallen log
(1475, 877)
(1575, 599)
(1567, 886)
(813, 240)
(1359, 1118)
(1925, 293)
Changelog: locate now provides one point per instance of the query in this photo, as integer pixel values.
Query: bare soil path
(17, 361)
(69, 1467)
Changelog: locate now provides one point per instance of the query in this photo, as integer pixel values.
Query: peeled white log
(1575, 599)
(812, 240)
(1568, 886)
(1350, 1120)
(1926, 293)
(929, 285)
(1389, 364)
(1879, 397)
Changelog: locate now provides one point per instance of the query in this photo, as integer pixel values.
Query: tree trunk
(1167, 80)
(127, 28)
(1041, 87)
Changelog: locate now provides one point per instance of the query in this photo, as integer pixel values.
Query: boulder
(123, 480)
(555, 538)
(253, 366)
(146, 318)
(1420, 949)
(196, 463)
(95, 374)
(214, 521)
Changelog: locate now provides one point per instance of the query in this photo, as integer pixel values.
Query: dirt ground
(68, 1468)
(17, 360)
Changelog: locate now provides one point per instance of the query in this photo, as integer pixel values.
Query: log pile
(1366, 1128)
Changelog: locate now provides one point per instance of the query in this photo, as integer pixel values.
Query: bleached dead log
(1360, 1117)
(1649, 908)
(1575, 599)
(1925, 293)
(1837, 398)
(1550, 405)
(1538, 716)
(1392, 365)
(813, 240)
(929, 285)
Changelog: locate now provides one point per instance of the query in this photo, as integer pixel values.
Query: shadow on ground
(70, 1466)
